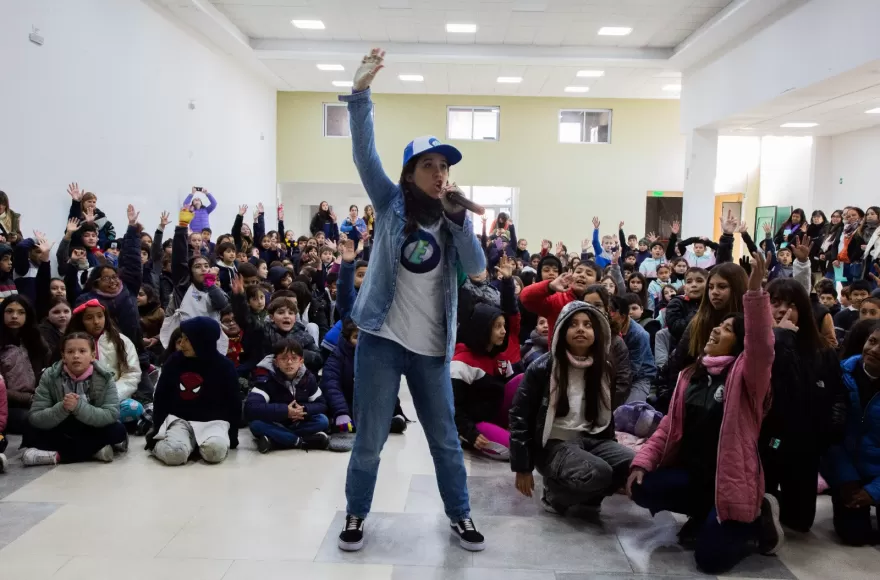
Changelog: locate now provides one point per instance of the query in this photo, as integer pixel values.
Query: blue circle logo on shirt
(421, 252)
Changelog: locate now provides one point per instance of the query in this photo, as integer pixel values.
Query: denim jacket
(377, 292)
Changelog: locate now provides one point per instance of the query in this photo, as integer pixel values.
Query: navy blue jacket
(337, 379)
(271, 395)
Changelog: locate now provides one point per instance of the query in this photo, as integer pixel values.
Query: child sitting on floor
(285, 408)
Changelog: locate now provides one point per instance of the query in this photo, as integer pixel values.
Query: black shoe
(318, 441)
(122, 446)
(772, 537)
(398, 424)
(687, 535)
(264, 445)
(469, 538)
(352, 537)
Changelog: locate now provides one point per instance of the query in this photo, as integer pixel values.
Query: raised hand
(132, 215)
(72, 226)
(237, 284)
(561, 283)
(767, 229)
(615, 256)
(729, 224)
(786, 322)
(330, 244)
(652, 237)
(759, 270)
(596, 222)
(620, 226)
(333, 216)
(348, 251)
(505, 267)
(559, 248)
(89, 216)
(742, 228)
(44, 245)
(74, 192)
(746, 264)
(676, 227)
(260, 209)
(242, 209)
(164, 220)
(280, 212)
(801, 248)
(546, 244)
(585, 245)
(366, 72)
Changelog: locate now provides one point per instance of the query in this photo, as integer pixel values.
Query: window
(473, 123)
(494, 199)
(585, 126)
(336, 120)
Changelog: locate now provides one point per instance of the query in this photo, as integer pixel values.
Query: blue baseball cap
(431, 144)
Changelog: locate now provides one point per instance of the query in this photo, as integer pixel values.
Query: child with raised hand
(285, 408)
(482, 367)
(197, 405)
(75, 412)
(603, 250)
(201, 213)
(31, 259)
(701, 460)
(84, 207)
(548, 297)
(561, 420)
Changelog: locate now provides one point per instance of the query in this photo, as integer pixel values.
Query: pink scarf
(715, 365)
(579, 362)
(86, 374)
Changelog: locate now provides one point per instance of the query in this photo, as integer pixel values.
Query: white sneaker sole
(469, 546)
(349, 546)
(780, 533)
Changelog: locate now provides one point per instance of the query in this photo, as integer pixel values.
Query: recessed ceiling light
(411, 78)
(330, 67)
(509, 79)
(672, 88)
(308, 24)
(591, 73)
(873, 111)
(576, 89)
(798, 125)
(615, 30)
(461, 28)
(343, 83)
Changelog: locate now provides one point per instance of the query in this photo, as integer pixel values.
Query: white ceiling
(838, 104)
(544, 41)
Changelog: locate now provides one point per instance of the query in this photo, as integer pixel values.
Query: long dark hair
(28, 336)
(857, 336)
(112, 332)
(707, 317)
(595, 377)
(419, 207)
(809, 339)
(643, 293)
(739, 329)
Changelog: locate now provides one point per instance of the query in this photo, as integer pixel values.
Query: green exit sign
(657, 193)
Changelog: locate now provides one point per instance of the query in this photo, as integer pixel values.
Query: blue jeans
(379, 364)
(720, 545)
(287, 435)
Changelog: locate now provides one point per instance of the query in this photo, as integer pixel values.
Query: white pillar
(701, 160)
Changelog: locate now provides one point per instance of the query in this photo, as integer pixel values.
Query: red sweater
(538, 298)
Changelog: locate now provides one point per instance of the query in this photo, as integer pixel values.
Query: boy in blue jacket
(285, 408)
(638, 342)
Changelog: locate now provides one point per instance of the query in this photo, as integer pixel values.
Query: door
(724, 203)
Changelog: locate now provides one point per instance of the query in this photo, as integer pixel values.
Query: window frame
(324, 121)
(472, 109)
(610, 126)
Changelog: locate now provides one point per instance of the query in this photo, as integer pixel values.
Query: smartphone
(198, 189)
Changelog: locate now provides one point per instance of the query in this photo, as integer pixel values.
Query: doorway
(724, 203)
(661, 209)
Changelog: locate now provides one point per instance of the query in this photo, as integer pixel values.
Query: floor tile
(16, 475)
(240, 533)
(494, 495)
(423, 573)
(96, 568)
(549, 543)
(400, 540)
(602, 576)
(124, 530)
(18, 517)
(264, 570)
(27, 566)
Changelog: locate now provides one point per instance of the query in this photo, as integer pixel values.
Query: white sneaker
(3, 463)
(104, 454)
(32, 457)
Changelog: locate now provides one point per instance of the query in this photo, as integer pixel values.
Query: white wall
(855, 157)
(786, 171)
(105, 102)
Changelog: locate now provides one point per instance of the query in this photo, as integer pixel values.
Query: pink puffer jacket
(4, 406)
(739, 477)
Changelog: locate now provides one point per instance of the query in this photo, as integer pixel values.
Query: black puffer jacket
(679, 314)
(528, 413)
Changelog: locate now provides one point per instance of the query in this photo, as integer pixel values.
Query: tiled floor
(277, 516)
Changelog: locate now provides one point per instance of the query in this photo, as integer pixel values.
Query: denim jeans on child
(379, 364)
(287, 435)
(720, 545)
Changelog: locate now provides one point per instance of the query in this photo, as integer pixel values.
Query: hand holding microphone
(454, 201)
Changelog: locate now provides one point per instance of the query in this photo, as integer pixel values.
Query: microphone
(457, 198)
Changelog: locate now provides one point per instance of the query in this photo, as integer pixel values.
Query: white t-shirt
(417, 317)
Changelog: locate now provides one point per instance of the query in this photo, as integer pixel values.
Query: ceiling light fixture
(798, 125)
(330, 67)
(576, 89)
(591, 74)
(510, 80)
(873, 111)
(308, 24)
(672, 88)
(343, 83)
(461, 28)
(411, 78)
(615, 30)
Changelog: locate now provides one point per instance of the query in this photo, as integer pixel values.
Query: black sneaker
(318, 441)
(264, 445)
(687, 535)
(469, 538)
(398, 424)
(772, 537)
(352, 537)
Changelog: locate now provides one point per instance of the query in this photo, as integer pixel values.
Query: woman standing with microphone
(406, 312)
